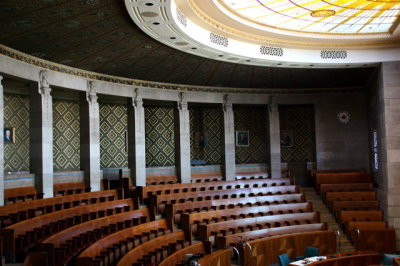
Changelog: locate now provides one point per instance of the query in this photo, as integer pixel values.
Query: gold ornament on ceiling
(323, 13)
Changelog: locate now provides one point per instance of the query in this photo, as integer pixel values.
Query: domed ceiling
(99, 36)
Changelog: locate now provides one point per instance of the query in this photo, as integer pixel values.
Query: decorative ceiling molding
(47, 65)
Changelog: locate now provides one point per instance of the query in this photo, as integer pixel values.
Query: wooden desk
(355, 258)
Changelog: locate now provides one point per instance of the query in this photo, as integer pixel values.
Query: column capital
(182, 103)
(91, 94)
(227, 105)
(137, 100)
(1, 78)
(272, 104)
(44, 87)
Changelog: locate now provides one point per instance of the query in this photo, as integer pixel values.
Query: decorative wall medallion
(343, 117)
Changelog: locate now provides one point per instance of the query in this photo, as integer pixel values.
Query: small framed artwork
(201, 139)
(286, 138)
(9, 135)
(242, 138)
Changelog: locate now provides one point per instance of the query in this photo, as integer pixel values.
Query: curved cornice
(44, 64)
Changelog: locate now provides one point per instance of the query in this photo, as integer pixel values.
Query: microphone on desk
(337, 232)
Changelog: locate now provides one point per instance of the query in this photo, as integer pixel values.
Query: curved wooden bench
(158, 202)
(145, 192)
(366, 225)
(225, 241)
(111, 248)
(12, 195)
(191, 221)
(265, 251)
(20, 211)
(252, 175)
(176, 210)
(161, 180)
(22, 236)
(207, 177)
(350, 259)
(179, 257)
(221, 258)
(250, 224)
(61, 189)
(65, 244)
(155, 250)
(379, 240)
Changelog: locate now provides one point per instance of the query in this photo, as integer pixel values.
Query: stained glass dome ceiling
(327, 17)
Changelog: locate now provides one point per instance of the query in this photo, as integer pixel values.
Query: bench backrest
(346, 187)
(37, 222)
(266, 250)
(252, 175)
(354, 205)
(108, 241)
(366, 225)
(225, 241)
(69, 188)
(133, 255)
(301, 218)
(354, 195)
(347, 216)
(207, 177)
(19, 191)
(179, 256)
(76, 230)
(145, 192)
(34, 204)
(167, 179)
(189, 219)
(342, 178)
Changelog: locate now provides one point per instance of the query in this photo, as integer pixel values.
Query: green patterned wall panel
(254, 120)
(159, 128)
(16, 114)
(66, 135)
(113, 124)
(299, 121)
(210, 121)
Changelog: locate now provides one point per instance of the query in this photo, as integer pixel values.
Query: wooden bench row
(357, 216)
(345, 187)
(24, 235)
(176, 210)
(341, 178)
(266, 250)
(255, 223)
(158, 202)
(226, 241)
(192, 221)
(145, 192)
(62, 246)
(110, 249)
(13, 195)
(180, 257)
(155, 250)
(20, 211)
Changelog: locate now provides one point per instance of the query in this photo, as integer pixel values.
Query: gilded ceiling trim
(14, 54)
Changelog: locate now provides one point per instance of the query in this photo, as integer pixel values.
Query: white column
(90, 137)
(229, 140)
(274, 133)
(182, 140)
(136, 139)
(41, 105)
(1, 143)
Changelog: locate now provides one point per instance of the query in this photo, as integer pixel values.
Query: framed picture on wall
(201, 139)
(9, 135)
(242, 138)
(286, 138)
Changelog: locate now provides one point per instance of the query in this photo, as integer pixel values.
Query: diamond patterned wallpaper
(16, 114)
(210, 121)
(254, 120)
(159, 129)
(66, 135)
(113, 124)
(299, 120)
